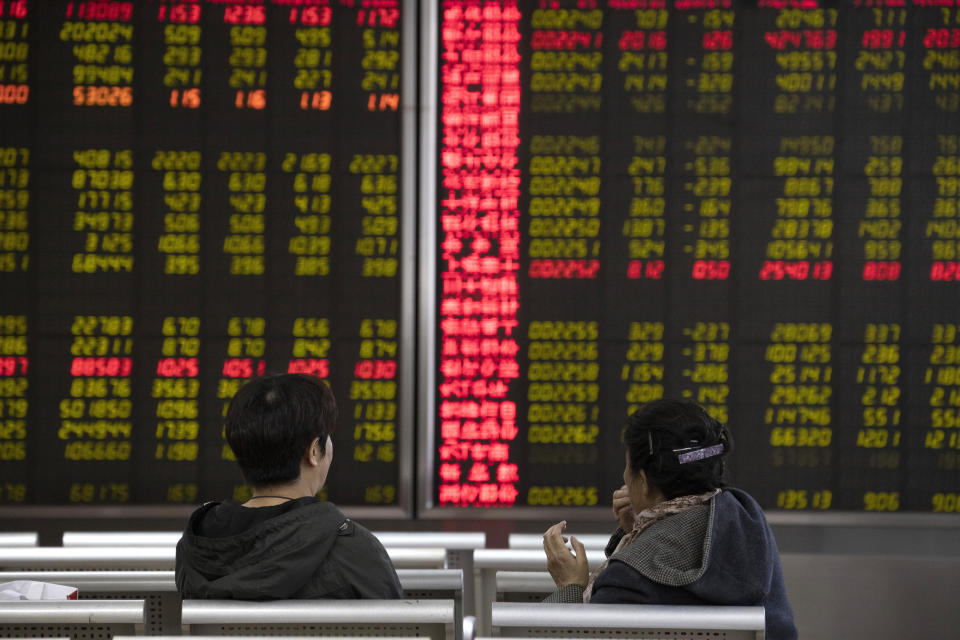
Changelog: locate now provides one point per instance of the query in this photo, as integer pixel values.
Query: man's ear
(313, 456)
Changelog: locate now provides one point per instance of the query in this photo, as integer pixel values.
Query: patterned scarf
(644, 520)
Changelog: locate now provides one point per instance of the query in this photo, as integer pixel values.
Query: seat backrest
(87, 558)
(624, 620)
(157, 589)
(545, 637)
(418, 558)
(77, 619)
(160, 558)
(252, 637)
(449, 541)
(22, 539)
(408, 539)
(535, 540)
(435, 584)
(120, 538)
(487, 562)
(523, 559)
(413, 581)
(431, 584)
(523, 586)
(423, 618)
(460, 547)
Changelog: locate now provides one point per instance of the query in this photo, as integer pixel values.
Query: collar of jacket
(673, 551)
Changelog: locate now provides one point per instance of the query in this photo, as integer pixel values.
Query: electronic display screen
(194, 193)
(754, 206)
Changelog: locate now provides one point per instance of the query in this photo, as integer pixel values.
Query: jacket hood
(722, 552)
(271, 560)
(744, 556)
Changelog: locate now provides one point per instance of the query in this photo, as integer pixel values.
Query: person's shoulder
(733, 503)
(208, 506)
(319, 508)
(347, 529)
(198, 516)
(741, 497)
(353, 532)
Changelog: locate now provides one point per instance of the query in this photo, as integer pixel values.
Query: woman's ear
(650, 492)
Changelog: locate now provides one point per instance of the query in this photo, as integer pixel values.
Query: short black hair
(272, 420)
(658, 429)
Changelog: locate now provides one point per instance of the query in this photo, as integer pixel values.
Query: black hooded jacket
(722, 553)
(301, 549)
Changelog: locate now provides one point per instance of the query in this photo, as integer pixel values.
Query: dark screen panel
(194, 193)
(748, 205)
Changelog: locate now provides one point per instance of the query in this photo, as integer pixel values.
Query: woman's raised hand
(623, 509)
(565, 568)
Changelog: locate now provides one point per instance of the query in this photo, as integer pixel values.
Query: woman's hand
(623, 509)
(565, 567)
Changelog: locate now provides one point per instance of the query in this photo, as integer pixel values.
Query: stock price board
(194, 193)
(754, 206)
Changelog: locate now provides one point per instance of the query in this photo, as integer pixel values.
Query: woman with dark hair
(283, 542)
(684, 536)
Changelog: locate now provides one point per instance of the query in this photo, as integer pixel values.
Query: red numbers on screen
(178, 368)
(313, 366)
(244, 14)
(255, 99)
(807, 39)
(16, 9)
(880, 3)
(796, 270)
(717, 40)
(710, 270)
(874, 270)
(564, 39)
(316, 100)
(14, 93)
(883, 39)
(577, 269)
(637, 40)
(189, 98)
(375, 369)
(243, 367)
(383, 102)
(90, 96)
(13, 365)
(181, 13)
(311, 16)
(122, 11)
(652, 269)
(942, 39)
(100, 367)
(378, 17)
(942, 271)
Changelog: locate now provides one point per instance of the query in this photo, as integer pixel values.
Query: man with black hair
(283, 542)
